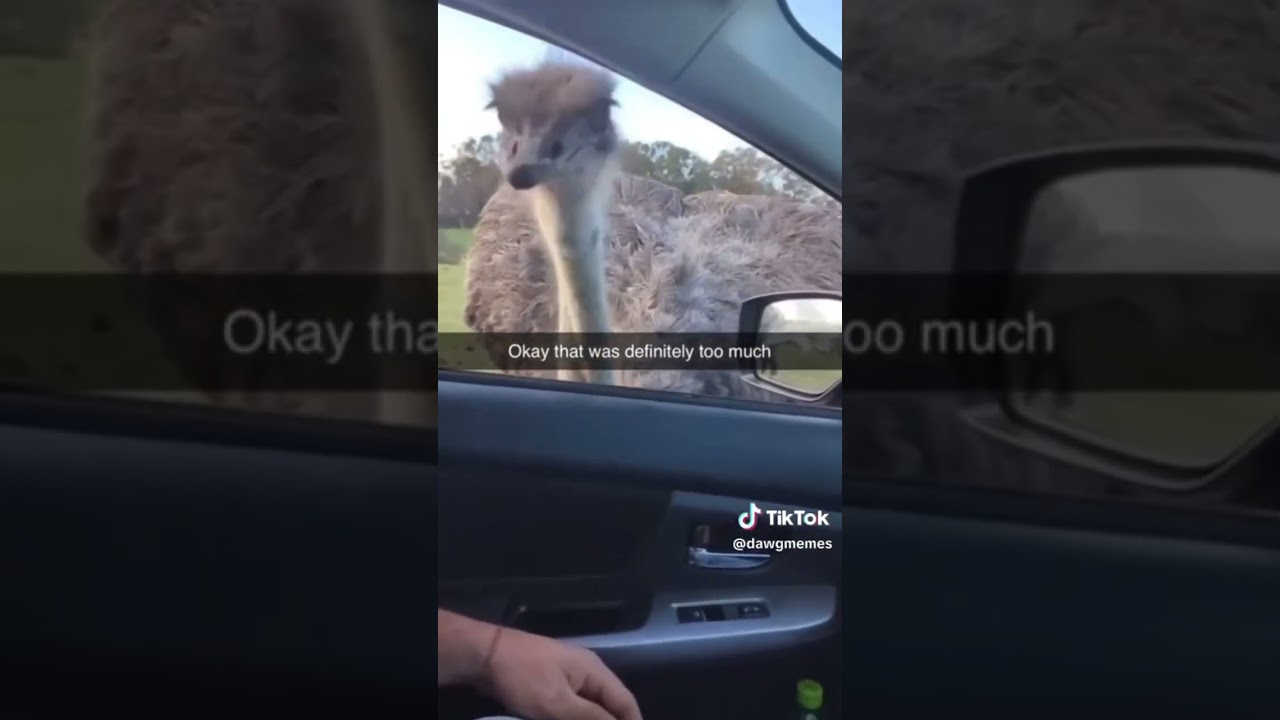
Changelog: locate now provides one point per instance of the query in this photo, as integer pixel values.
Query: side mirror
(799, 336)
(1149, 263)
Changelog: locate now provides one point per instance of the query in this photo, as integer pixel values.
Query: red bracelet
(493, 648)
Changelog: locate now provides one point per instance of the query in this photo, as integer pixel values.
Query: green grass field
(1184, 428)
(459, 351)
(42, 152)
(42, 161)
(451, 299)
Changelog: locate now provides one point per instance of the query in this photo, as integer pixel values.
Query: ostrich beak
(528, 175)
(525, 168)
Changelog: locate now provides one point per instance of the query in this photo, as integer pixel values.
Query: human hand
(543, 679)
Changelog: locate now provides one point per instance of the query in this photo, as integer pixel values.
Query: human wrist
(465, 649)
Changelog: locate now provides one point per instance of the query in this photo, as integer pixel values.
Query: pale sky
(1221, 202)
(831, 311)
(473, 51)
(1205, 219)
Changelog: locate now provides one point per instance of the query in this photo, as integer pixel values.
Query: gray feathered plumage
(676, 263)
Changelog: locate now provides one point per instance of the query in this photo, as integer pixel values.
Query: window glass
(698, 221)
(188, 148)
(823, 20)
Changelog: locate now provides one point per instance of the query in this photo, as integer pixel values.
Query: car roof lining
(657, 40)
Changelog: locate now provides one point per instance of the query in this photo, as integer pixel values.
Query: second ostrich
(570, 244)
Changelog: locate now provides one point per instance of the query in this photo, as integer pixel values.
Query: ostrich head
(557, 129)
(558, 150)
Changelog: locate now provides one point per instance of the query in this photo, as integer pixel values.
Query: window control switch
(748, 611)
(690, 615)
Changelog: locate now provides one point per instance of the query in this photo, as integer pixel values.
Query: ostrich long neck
(577, 238)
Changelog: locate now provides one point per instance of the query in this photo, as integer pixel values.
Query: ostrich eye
(556, 150)
(598, 116)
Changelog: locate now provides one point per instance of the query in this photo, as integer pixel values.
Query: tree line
(44, 29)
(468, 178)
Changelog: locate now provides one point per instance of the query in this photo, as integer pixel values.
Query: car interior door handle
(704, 558)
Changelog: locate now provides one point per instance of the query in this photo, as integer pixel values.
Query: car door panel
(176, 576)
(162, 557)
(1041, 607)
(785, 453)
(588, 538)
(650, 569)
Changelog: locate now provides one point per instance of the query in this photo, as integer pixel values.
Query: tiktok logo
(792, 518)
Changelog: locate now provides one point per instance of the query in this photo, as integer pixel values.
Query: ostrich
(569, 244)
(773, 325)
(231, 137)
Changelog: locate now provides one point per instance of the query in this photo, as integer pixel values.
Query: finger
(621, 704)
(606, 690)
(580, 708)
